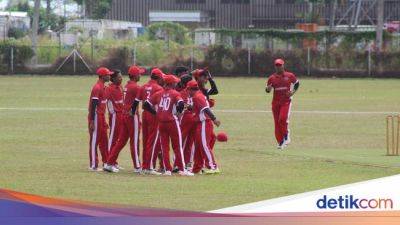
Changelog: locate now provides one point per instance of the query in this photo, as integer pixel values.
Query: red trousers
(204, 153)
(151, 143)
(129, 129)
(98, 138)
(188, 128)
(115, 121)
(281, 112)
(171, 131)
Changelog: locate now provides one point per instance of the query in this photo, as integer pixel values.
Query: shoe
(138, 170)
(95, 169)
(281, 145)
(186, 173)
(287, 139)
(217, 171)
(107, 167)
(111, 169)
(175, 170)
(167, 173)
(153, 172)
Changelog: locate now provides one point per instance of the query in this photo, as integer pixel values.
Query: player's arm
(149, 107)
(269, 87)
(95, 103)
(296, 86)
(138, 99)
(213, 90)
(180, 106)
(212, 116)
(135, 104)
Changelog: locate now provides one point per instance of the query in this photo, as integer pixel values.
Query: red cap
(197, 73)
(279, 62)
(136, 71)
(222, 137)
(192, 85)
(157, 72)
(103, 71)
(171, 79)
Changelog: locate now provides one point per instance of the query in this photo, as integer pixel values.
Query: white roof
(14, 14)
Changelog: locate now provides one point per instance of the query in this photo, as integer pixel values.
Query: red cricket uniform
(115, 106)
(168, 125)
(151, 144)
(98, 137)
(281, 102)
(203, 137)
(188, 127)
(129, 129)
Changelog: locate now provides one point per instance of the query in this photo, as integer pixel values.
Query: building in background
(16, 20)
(99, 29)
(241, 14)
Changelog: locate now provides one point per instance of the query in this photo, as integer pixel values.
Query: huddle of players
(176, 109)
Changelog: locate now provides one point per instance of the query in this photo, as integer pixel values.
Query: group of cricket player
(176, 110)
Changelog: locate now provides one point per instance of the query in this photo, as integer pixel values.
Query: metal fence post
(191, 58)
(91, 47)
(369, 61)
(59, 44)
(308, 61)
(248, 60)
(134, 54)
(74, 61)
(12, 59)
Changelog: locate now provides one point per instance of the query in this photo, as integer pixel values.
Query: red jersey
(98, 92)
(200, 103)
(166, 102)
(186, 99)
(147, 90)
(114, 95)
(131, 90)
(282, 84)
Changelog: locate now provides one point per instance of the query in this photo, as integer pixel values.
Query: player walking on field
(167, 104)
(115, 106)
(204, 119)
(285, 84)
(130, 124)
(97, 120)
(151, 144)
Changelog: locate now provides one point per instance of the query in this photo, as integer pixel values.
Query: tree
(51, 20)
(96, 9)
(379, 26)
(35, 29)
(48, 9)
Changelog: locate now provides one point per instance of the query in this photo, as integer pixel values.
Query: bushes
(22, 53)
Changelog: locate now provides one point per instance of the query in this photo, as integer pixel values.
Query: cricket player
(187, 123)
(114, 95)
(97, 120)
(202, 76)
(169, 104)
(130, 125)
(285, 85)
(205, 119)
(151, 144)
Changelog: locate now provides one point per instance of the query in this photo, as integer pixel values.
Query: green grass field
(44, 143)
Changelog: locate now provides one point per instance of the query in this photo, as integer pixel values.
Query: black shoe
(175, 170)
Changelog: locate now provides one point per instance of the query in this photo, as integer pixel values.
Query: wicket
(392, 135)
